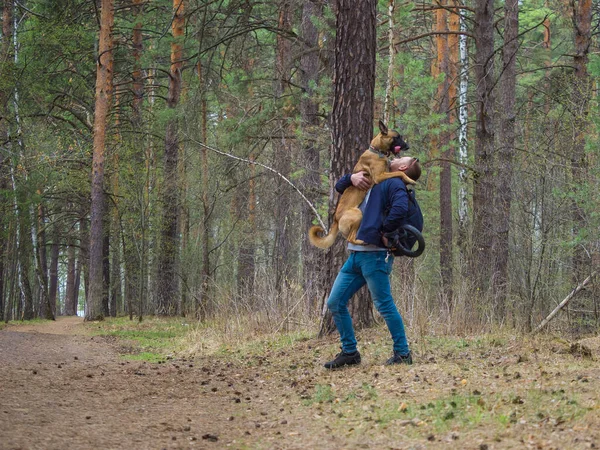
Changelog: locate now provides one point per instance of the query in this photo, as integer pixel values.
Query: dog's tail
(315, 235)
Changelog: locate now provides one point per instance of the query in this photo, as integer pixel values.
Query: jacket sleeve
(343, 183)
(397, 204)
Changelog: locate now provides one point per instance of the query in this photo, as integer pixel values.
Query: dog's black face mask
(398, 145)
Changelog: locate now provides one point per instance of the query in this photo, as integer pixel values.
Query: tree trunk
(168, 278)
(506, 139)
(463, 159)
(115, 303)
(184, 230)
(483, 194)
(53, 272)
(39, 240)
(389, 85)
(106, 259)
(25, 252)
(582, 20)
(84, 257)
(351, 118)
(443, 67)
(70, 291)
(282, 150)
(137, 80)
(4, 135)
(205, 278)
(247, 248)
(3, 240)
(309, 110)
(94, 309)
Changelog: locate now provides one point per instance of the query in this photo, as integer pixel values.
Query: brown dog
(374, 162)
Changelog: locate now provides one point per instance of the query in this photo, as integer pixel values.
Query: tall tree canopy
(149, 162)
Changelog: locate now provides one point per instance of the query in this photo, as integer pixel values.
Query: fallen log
(567, 299)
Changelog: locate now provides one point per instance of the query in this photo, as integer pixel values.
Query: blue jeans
(372, 269)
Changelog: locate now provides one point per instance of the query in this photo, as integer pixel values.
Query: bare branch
(562, 304)
(314, 210)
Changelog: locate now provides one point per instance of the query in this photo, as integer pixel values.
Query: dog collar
(377, 152)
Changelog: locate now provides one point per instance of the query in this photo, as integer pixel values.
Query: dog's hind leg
(349, 224)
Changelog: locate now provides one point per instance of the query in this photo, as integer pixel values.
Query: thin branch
(314, 210)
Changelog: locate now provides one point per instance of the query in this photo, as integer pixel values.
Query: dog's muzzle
(398, 145)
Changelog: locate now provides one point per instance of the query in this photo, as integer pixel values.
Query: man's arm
(359, 180)
(398, 205)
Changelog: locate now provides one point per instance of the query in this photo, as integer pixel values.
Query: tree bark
(39, 240)
(309, 109)
(53, 271)
(506, 139)
(70, 292)
(283, 149)
(483, 194)
(94, 309)
(4, 173)
(443, 67)
(137, 80)
(582, 21)
(351, 118)
(204, 306)
(106, 259)
(389, 85)
(463, 145)
(168, 278)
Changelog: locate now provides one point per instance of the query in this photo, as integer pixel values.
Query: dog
(374, 162)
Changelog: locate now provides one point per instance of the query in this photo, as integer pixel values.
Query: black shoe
(343, 359)
(400, 359)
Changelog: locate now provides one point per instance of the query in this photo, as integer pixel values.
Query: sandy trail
(61, 389)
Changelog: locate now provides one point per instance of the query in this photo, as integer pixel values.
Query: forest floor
(68, 385)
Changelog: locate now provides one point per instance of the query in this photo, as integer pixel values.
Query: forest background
(150, 151)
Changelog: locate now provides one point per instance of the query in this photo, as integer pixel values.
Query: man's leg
(376, 271)
(348, 281)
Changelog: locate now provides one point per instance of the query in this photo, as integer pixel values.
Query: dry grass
(496, 389)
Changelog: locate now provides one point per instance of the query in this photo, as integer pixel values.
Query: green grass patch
(441, 414)
(498, 412)
(23, 322)
(36, 321)
(153, 338)
(323, 394)
(261, 345)
(453, 344)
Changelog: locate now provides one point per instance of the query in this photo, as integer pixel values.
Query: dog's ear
(382, 127)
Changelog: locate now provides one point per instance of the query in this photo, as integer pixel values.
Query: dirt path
(61, 388)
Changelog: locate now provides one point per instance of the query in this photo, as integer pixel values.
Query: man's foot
(400, 359)
(343, 359)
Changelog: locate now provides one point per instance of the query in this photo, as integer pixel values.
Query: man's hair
(414, 170)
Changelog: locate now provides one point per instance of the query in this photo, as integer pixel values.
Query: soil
(61, 388)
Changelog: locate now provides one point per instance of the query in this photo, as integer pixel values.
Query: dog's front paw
(407, 179)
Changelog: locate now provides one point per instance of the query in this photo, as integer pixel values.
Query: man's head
(407, 164)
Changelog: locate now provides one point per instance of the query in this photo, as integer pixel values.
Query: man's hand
(361, 181)
(385, 241)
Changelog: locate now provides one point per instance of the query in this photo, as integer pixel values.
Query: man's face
(400, 164)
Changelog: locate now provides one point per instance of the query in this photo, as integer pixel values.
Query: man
(386, 207)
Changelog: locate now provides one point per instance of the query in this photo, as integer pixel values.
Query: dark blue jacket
(390, 205)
